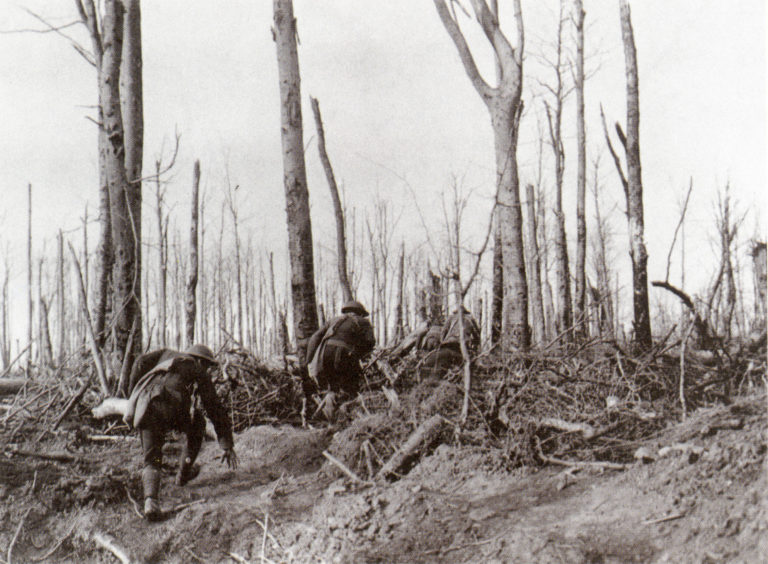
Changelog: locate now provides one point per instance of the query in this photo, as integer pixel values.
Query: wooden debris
(107, 542)
(57, 456)
(9, 557)
(340, 465)
(71, 403)
(9, 386)
(424, 434)
(585, 429)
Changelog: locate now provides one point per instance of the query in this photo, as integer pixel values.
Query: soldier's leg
(195, 434)
(152, 440)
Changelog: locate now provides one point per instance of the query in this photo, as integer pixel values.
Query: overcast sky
(401, 116)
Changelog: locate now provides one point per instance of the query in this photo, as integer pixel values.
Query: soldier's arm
(215, 411)
(368, 339)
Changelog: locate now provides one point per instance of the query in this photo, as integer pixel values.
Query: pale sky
(396, 105)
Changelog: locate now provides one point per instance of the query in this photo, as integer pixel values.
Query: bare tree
(580, 285)
(191, 309)
(29, 275)
(504, 105)
(533, 267)
(554, 111)
(633, 185)
(132, 108)
(341, 239)
(294, 177)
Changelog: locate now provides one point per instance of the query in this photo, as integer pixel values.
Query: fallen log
(57, 456)
(585, 429)
(9, 386)
(423, 435)
(71, 403)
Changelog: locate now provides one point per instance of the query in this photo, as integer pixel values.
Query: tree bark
(132, 108)
(580, 290)
(638, 251)
(125, 276)
(29, 274)
(193, 259)
(341, 239)
(534, 267)
(61, 301)
(504, 106)
(554, 119)
(295, 179)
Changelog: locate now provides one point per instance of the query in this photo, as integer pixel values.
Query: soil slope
(698, 496)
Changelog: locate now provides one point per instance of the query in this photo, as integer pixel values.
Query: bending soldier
(451, 335)
(162, 385)
(336, 348)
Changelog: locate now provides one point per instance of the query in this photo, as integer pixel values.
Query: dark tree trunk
(294, 177)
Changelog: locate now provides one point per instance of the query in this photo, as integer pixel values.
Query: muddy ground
(700, 500)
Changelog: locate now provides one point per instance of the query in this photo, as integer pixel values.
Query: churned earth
(696, 494)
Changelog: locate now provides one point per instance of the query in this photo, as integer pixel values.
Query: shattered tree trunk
(504, 106)
(295, 178)
(555, 119)
(105, 254)
(29, 275)
(132, 107)
(126, 277)
(191, 306)
(61, 299)
(341, 239)
(638, 251)
(580, 287)
(760, 282)
(162, 259)
(497, 296)
(534, 267)
(399, 306)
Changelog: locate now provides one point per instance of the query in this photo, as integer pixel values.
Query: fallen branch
(17, 357)
(585, 429)
(16, 536)
(664, 519)
(55, 547)
(387, 370)
(97, 361)
(10, 386)
(424, 434)
(578, 464)
(106, 541)
(340, 465)
(71, 403)
(57, 456)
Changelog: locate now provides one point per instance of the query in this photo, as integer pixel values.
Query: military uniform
(162, 385)
(337, 347)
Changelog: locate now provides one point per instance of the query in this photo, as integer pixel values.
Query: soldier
(451, 335)
(162, 385)
(336, 348)
(448, 354)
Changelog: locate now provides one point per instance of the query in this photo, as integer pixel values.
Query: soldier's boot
(195, 435)
(150, 479)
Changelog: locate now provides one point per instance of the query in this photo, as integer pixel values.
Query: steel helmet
(354, 307)
(201, 351)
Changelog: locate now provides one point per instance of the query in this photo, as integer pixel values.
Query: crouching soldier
(163, 387)
(448, 354)
(336, 348)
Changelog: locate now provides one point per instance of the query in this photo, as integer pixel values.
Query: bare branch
(677, 229)
(452, 27)
(616, 159)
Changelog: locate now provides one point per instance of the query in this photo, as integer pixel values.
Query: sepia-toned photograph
(366, 281)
